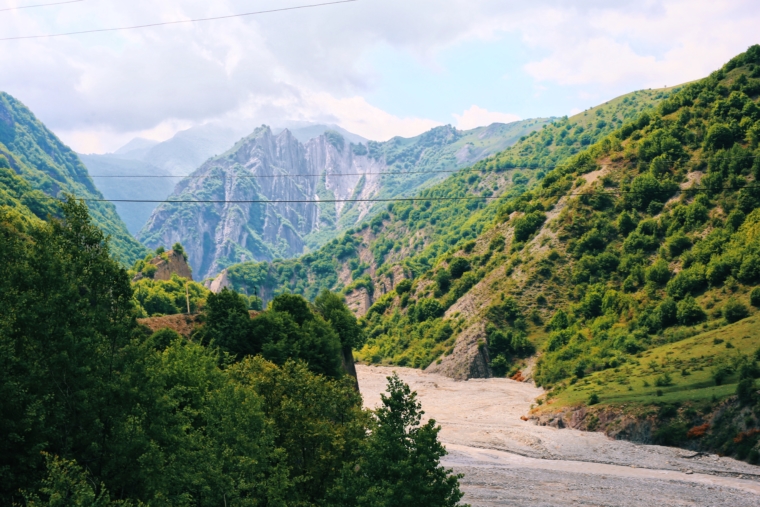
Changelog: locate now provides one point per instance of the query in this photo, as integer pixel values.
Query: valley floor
(508, 461)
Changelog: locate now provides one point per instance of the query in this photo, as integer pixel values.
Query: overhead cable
(40, 5)
(396, 199)
(178, 22)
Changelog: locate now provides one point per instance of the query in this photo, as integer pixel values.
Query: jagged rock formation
(267, 167)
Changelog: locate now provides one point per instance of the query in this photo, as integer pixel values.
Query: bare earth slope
(507, 461)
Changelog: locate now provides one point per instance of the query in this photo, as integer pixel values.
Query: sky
(378, 68)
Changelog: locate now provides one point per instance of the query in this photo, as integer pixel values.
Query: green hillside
(409, 237)
(34, 153)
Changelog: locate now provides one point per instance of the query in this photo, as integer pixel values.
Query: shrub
(403, 287)
(735, 310)
(689, 312)
(458, 267)
(593, 399)
(671, 434)
(149, 271)
(720, 373)
(754, 297)
(659, 273)
(528, 224)
(663, 380)
(443, 281)
(429, 309)
(719, 136)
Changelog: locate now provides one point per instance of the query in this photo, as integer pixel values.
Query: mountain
(36, 156)
(615, 264)
(110, 174)
(405, 240)
(178, 156)
(327, 168)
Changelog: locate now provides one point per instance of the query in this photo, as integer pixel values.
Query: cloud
(479, 117)
(98, 90)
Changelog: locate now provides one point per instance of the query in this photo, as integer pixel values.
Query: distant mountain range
(178, 156)
(293, 166)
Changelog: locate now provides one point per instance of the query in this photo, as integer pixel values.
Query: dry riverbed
(508, 461)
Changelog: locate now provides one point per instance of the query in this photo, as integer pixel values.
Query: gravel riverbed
(508, 461)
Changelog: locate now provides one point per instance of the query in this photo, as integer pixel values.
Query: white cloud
(98, 90)
(479, 117)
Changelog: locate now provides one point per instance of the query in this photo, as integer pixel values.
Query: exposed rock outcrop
(469, 359)
(167, 264)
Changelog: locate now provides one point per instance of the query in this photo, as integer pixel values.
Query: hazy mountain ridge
(326, 168)
(35, 154)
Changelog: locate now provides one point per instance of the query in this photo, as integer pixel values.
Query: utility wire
(396, 199)
(184, 21)
(255, 176)
(40, 5)
(383, 173)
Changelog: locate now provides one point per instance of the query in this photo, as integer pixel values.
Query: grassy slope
(37, 155)
(698, 356)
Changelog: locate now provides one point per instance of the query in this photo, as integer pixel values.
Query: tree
(333, 309)
(228, 324)
(290, 330)
(400, 462)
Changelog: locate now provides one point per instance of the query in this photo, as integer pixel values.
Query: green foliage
(735, 310)
(525, 226)
(52, 169)
(168, 297)
(161, 420)
(404, 286)
(400, 463)
(333, 309)
(429, 309)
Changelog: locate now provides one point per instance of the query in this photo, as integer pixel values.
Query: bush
(443, 281)
(593, 399)
(671, 434)
(458, 267)
(403, 287)
(149, 271)
(754, 297)
(735, 311)
(659, 273)
(689, 312)
(528, 224)
(663, 380)
(429, 309)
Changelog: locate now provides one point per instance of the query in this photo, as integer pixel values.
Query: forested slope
(34, 153)
(96, 410)
(407, 240)
(609, 266)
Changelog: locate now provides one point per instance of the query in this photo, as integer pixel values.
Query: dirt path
(507, 461)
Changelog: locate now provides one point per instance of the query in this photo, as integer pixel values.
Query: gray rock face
(262, 167)
(236, 220)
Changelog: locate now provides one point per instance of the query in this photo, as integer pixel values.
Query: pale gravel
(507, 461)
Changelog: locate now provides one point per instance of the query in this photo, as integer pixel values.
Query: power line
(184, 21)
(383, 173)
(394, 199)
(255, 176)
(40, 5)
